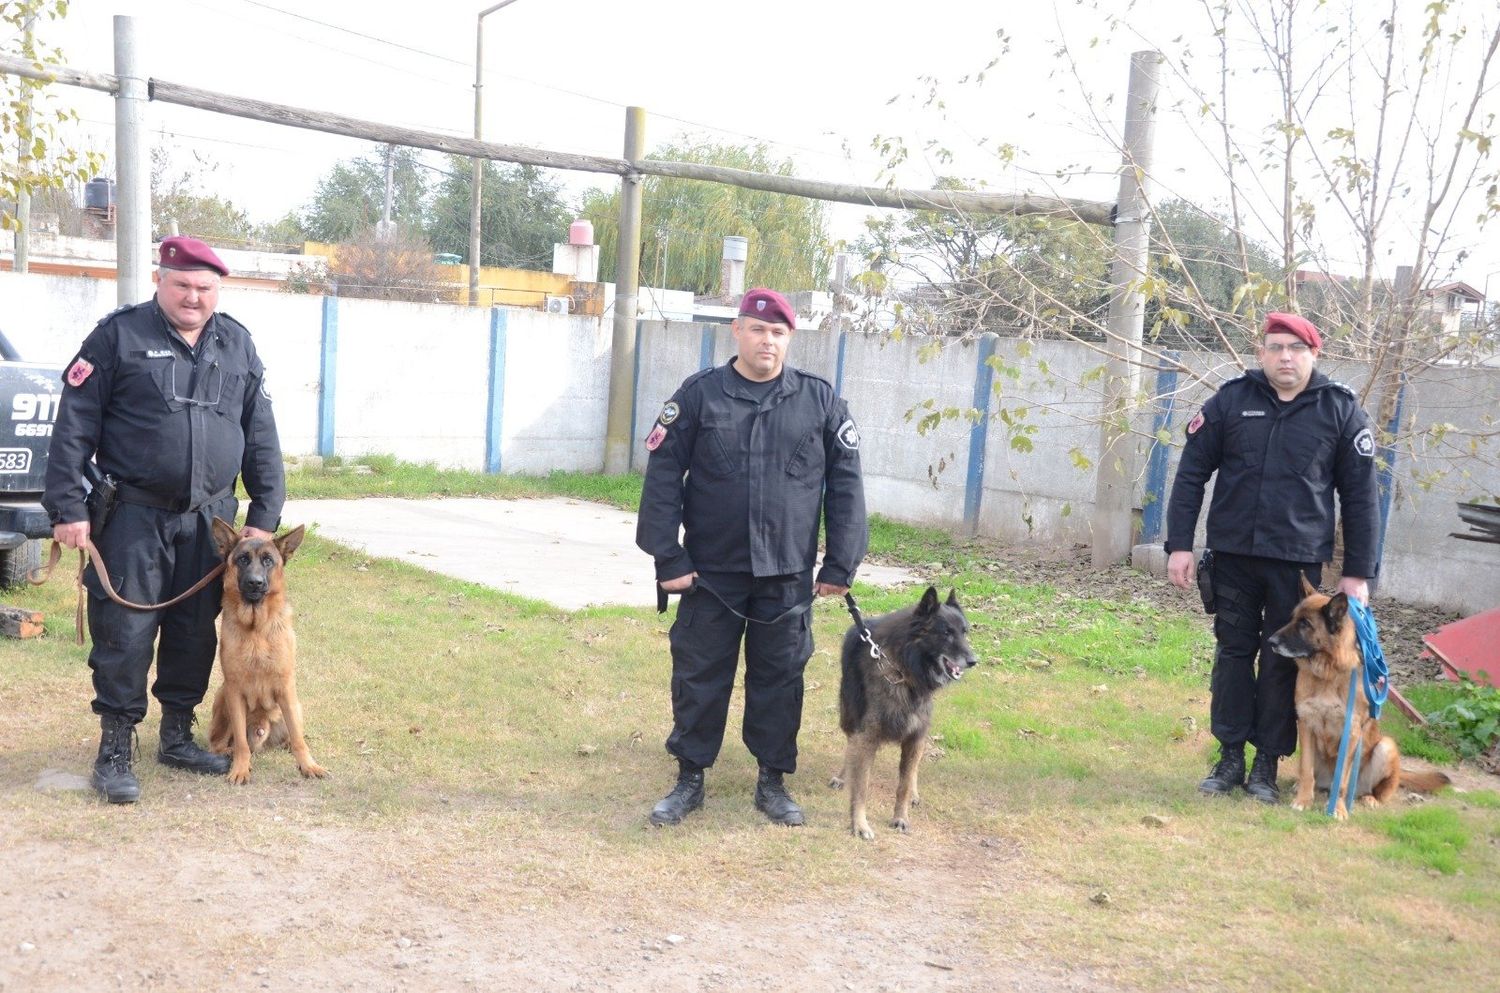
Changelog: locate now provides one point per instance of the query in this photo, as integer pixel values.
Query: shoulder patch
(848, 435)
(79, 372)
(669, 413)
(1195, 423)
(1364, 443)
(655, 438)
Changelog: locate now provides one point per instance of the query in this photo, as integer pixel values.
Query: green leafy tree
(684, 223)
(283, 235)
(351, 197)
(523, 214)
(1209, 274)
(180, 194)
(35, 158)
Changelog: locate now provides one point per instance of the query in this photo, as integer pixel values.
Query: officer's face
(188, 297)
(1287, 361)
(762, 347)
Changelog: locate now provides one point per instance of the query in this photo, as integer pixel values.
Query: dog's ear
(287, 543)
(929, 602)
(225, 537)
(953, 598)
(1335, 611)
(1308, 589)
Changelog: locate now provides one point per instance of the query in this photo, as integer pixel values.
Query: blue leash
(1377, 688)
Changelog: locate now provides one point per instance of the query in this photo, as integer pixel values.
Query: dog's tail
(1424, 782)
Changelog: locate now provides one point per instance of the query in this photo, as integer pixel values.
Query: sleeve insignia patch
(656, 437)
(1364, 443)
(79, 372)
(669, 412)
(1195, 423)
(848, 435)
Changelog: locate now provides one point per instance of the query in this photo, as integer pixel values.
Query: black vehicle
(30, 394)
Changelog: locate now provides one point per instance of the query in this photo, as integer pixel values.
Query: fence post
(984, 379)
(624, 363)
(838, 371)
(493, 436)
(328, 376)
(1154, 501)
(1114, 480)
(705, 346)
(133, 165)
(1386, 474)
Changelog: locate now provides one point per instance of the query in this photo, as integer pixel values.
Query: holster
(1206, 580)
(103, 495)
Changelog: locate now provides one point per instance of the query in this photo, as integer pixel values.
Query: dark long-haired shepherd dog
(257, 706)
(1321, 637)
(889, 698)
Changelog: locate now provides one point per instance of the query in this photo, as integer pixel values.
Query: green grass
(506, 753)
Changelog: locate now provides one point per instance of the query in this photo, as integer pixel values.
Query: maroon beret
(768, 305)
(178, 252)
(1277, 323)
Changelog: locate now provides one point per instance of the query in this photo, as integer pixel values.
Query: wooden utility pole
(619, 430)
(1114, 480)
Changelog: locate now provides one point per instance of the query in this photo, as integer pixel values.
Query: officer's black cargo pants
(153, 555)
(705, 653)
(1253, 597)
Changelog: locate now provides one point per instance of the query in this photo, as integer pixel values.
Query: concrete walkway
(570, 553)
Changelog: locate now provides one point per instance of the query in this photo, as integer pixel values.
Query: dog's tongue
(953, 669)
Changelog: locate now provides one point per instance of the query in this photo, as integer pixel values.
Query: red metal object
(1470, 646)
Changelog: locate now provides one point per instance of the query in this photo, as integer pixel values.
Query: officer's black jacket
(132, 415)
(1279, 465)
(747, 482)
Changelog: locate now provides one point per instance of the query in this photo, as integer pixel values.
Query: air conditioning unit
(559, 305)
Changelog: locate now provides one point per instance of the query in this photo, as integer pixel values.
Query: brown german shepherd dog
(257, 704)
(889, 699)
(1321, 637)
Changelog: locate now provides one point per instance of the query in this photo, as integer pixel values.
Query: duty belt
(147, 498)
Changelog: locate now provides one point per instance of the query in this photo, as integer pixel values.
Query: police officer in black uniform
(1282, 438)
(168, 398)
(745, 458)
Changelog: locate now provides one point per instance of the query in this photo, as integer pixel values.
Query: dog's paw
(916, 801)
(1368, 800)
(1298, 806)
(1341, 812)
(836, 783)
(239, 775)
(899, 823)
(313, 771)
(863, 831)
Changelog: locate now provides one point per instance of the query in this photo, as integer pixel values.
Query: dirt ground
(282, 901)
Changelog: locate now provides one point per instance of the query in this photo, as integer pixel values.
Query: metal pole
(133, 215)
(618, 430)
(476, 191)
(1114, 484)
(390, 189)
(23, 160)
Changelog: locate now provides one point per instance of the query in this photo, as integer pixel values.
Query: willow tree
(684, 223)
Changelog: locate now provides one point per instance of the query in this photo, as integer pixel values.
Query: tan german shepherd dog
(257, 704)
(1321, 637)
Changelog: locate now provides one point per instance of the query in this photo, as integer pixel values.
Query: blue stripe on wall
(493, 436)
(1386, 474)
(838, 372)
(328, 376)
(984, 378)
(1154, 512)
(706, 347)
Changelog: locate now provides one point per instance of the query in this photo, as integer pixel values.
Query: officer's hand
(1181, 569)
(828, 589)
(74, 534)
(679, 584)
(249, 532)
(1356, 587)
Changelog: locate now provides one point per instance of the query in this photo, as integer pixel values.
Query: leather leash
(41, 574)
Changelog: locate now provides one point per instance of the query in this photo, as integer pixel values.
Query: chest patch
(79, 372)
(1252, 413)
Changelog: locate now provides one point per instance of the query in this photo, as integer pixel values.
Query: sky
(815, 81)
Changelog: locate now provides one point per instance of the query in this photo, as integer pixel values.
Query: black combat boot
(686, 796)
(1228, 773)
(113, 778)
(180, 751)
(1262, 782)
(772, 799)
